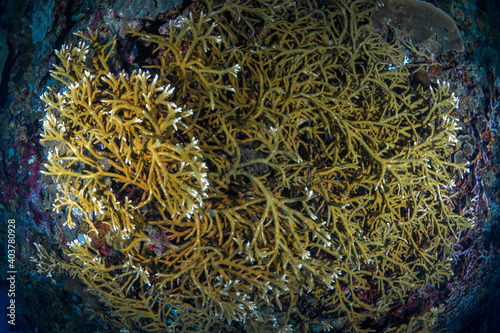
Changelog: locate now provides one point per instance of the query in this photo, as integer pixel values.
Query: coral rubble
(273, 168)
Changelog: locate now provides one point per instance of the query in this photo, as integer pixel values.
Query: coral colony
(271, 170)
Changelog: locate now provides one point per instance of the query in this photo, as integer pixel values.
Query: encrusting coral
(275, 170)
(422, 22)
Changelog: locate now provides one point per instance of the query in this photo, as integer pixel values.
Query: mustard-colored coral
(280, 154)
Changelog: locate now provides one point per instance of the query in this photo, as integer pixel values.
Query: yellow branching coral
(119, 130)
(278, 162)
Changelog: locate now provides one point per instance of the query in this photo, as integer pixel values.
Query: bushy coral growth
(275, 171)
